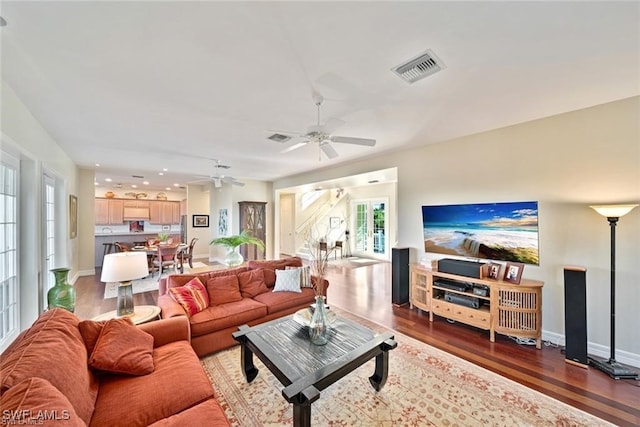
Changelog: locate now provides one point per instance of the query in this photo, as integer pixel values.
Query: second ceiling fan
(323, 135)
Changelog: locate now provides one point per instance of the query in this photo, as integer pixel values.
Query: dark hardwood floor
(366, 291)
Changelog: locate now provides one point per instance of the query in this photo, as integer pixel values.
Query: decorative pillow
(305, 275)
(193, 296)
(287, 281)
(252, 283)
(223, 289)
(90, 331)
(33, 396)
(124, 349)
(269, 277)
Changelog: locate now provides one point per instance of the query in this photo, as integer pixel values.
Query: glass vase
(62, 294)
(233, 258)
(319, 327)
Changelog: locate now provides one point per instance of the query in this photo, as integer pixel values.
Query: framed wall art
(222, 222)
(201, 220)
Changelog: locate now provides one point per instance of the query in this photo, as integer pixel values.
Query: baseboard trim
(594, 349)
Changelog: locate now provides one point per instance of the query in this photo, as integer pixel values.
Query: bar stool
(108, 248)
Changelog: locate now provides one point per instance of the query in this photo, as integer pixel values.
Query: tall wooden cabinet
(253, 218)
(493, 305)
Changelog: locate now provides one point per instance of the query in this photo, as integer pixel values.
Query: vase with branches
(233, 243)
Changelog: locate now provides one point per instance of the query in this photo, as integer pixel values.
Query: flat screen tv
(495, 231)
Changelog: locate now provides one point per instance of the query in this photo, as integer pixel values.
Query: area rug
(426, 386)
(147, 284)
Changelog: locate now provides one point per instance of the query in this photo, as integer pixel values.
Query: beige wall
(566, 163)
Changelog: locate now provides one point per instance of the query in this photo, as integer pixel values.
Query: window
(8, 249)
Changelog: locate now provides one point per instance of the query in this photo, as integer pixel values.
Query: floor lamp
(123, 267)
(611, 367)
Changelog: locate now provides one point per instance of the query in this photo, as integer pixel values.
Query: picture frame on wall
(513, 272)
(334, 222)
(73, 216)
(201, 220)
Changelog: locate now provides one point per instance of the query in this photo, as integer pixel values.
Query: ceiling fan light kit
(322, 135)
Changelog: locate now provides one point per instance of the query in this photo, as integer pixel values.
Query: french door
(9, 293)
(371, 228)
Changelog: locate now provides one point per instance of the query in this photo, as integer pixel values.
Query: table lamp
(123, 267)
(611, 366)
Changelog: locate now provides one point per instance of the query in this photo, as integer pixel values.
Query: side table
(141, 314)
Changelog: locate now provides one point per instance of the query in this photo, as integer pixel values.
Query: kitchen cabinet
(136, 203)
(164, 212)
(109, 211)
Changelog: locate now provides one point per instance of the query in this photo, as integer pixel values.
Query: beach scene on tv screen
(496, 231)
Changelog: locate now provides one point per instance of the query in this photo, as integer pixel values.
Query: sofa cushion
(269, 277)
(177, 383)
(278, 301)
(208, 413)
(223, 316)
(22, 403)
(271, 265)
(287, 281)
(223, 289)
(305, 275)
(252, 283)
(53, 349)
(193, 296)
(90, 331)
(123, 349)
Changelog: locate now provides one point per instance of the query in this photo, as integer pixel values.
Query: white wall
(38, 151)
(566, 163)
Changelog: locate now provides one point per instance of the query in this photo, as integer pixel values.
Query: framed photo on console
(513, 272)
(493, 270)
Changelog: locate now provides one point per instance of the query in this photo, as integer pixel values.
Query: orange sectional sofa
(45, 377)
(212, 327)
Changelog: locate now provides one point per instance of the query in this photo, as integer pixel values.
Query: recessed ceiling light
(97, 165)
(134, 186)
(176, 185)
(145, 182)
(108, 179)
(168, 188)
(165, 169)
(160, 173)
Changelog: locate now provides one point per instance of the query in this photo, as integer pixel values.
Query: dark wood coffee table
(306, 369)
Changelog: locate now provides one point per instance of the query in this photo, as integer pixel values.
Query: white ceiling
(140, 86)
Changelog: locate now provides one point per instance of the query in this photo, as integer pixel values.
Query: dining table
(153, 249)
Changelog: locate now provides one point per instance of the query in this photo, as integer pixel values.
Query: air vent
(419, 67)
(137, 176)
(278, 137)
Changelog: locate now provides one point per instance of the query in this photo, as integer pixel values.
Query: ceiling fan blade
(231, 180)
(295, 147)
(331, 125)
(328, 150)
(349, 140)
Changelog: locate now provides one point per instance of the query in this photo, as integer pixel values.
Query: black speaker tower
(400, 276)
(575, 315)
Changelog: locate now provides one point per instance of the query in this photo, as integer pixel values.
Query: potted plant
(163, 237)
(233, 243)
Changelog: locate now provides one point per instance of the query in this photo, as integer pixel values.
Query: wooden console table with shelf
(509, 309)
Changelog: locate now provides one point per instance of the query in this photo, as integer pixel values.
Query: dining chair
(338, 245)
(187, 254)
(165, 257)
(122, 247)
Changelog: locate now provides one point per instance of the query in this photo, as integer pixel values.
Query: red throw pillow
(223, 289)
(252, 283)
(124, 349)
(193, 296)
(269, 277)
(90, 331)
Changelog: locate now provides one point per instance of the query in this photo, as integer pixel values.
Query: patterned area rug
(425, 386)
(149, 283)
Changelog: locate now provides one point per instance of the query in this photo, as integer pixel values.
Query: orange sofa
(45, 378)
(212, 327)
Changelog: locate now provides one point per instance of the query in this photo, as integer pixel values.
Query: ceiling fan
(323, 135)
(218, 178)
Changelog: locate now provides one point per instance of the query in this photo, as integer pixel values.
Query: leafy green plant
(236, 240)
(163, 237)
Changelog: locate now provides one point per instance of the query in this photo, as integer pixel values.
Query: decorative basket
(161, 196)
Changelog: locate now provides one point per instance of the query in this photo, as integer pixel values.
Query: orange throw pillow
(90, 331)
(252, 283)
(223, 289)
(193, 296)
(124, 349)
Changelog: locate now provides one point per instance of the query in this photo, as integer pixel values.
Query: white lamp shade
(613, 211)
(124, 266)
